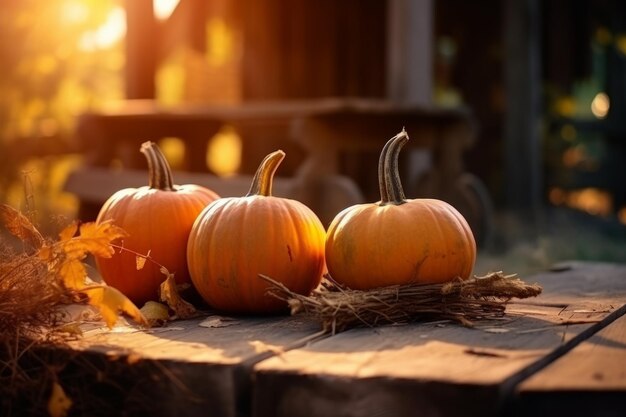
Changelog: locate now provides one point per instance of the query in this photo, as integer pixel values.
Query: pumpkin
(158, 219)
(398, 240)
(235, 239)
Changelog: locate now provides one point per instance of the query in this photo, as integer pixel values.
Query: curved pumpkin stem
(159, 171)
(391, 191)
(264, 176)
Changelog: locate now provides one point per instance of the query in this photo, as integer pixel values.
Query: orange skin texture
(420, 241)
(158, 221)
(236, 239)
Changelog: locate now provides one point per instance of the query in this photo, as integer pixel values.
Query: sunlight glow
(174, 151)
(600, 105)
(111, 31)
(591, 200)
(164, 8)
(220, 40)
(224, 153)
(73, 11)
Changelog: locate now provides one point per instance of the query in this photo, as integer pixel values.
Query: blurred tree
(59, 58)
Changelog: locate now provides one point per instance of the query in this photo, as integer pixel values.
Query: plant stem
(264, 176)
(391, 191)
(159, 171)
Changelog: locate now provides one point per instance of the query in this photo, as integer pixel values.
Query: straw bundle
(338, 308)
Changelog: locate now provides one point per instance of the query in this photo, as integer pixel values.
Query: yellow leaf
(19, 226)
(141, 261)
(73, 274)
(59, 403)
(169, 294)
(94, 238)
(111, 302)
(68, 232)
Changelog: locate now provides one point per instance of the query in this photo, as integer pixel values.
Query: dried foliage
(40, 278)
(49, 273)
(338, 309)
(169, 294)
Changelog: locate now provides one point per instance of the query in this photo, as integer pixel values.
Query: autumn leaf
(73, 274)
(59, 403)
(63, 260)
(66, 255)
(111, 302)
(19, 226)
(94, 238)
(140, 261)
(169, 294)
(68, 232)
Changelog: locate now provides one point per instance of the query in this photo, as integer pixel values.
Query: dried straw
(338, 309)
(29, 317)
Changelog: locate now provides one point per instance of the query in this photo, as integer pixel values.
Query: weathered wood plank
(589, 380)
(182, 369)
(440, 369)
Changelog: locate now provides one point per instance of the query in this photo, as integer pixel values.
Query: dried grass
(29, 317)
(339, 309)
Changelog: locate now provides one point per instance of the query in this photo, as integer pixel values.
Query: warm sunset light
(174, 151)
(109, 33)
(600, 105)
(74, 12)
(164, 8)
(224, 153)
(591, 200)
(221, 39)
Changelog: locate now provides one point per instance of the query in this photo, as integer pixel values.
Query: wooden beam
(409, 51)
(141, 49)
(185, 26)
(523, 177)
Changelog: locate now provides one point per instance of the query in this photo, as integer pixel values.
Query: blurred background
(535, 90)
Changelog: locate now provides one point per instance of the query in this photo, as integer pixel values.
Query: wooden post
(409, 51)
(141, 49)
(523, 176)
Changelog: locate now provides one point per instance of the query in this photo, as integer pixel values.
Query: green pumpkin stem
(159, 171)
(264, 176)
(391, 191)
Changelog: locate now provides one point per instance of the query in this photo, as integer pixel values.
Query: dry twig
(463, 301)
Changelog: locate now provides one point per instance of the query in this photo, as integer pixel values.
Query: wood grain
(589, 380)
(182, 369)
(262, 366)
(440, 369)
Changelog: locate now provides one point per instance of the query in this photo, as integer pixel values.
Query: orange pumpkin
(158, 219)
(236, 239)
(398, 241)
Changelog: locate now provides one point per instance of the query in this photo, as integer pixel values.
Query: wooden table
(562, 353)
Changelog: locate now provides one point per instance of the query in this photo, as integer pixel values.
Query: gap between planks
(509, 386)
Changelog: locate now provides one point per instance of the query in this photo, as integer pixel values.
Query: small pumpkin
(158, 219)
(398, 240)
(235, 239)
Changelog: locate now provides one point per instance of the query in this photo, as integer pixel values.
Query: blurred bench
(335, 145)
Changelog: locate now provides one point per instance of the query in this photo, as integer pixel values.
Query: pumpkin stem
(264, 176)
(160, 174)
(391, 191)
